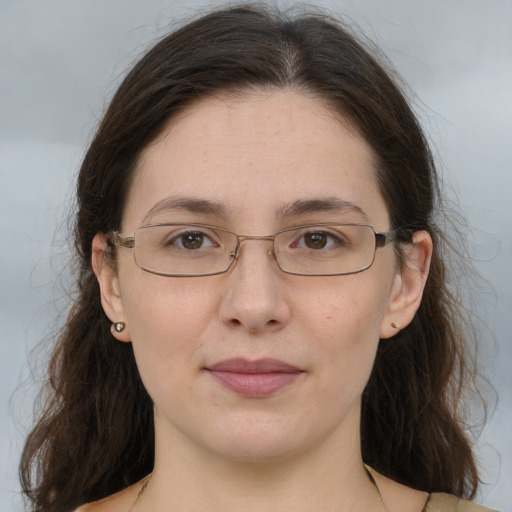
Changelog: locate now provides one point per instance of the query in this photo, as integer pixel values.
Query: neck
(329, 477)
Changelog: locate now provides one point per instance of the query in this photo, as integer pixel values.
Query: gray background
(60, 59)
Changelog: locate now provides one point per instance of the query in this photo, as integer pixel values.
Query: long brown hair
(94, 435)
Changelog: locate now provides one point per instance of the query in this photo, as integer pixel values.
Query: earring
(394, 325)
(119, 326)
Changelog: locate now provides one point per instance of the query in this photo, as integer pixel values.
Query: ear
(408, 285)
(107, 277)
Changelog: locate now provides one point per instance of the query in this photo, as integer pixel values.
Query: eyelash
(334, 239)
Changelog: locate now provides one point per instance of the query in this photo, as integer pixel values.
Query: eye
(317, 240)
(192, 240)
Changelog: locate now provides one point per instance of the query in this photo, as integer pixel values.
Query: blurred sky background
(61, 59)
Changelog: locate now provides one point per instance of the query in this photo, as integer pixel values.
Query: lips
(254, 379)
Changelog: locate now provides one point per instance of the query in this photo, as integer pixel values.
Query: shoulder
(442, 502)
(119, 502)
(404, 498)
(105, 505)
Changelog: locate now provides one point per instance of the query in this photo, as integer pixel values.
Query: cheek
(167, 319)
(346, 323)
(354, 304)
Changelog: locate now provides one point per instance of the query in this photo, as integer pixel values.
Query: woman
(262, 319)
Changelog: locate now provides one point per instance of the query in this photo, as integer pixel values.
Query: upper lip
(266, 365)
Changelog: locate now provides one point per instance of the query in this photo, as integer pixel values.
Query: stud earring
(394, 325)
(119, 326)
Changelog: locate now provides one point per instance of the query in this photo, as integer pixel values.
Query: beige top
(441, 502)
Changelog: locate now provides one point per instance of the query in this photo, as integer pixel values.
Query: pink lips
(254, 379)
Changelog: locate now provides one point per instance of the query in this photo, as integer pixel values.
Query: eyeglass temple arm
(117, 239)
(385, 238)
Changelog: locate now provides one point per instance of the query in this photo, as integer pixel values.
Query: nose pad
(234, 255)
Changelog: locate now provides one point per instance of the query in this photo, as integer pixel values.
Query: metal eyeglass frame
(381, 240)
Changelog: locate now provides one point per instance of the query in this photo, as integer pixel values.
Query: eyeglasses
(189, 250)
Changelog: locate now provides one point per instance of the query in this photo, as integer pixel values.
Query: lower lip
(255, 385)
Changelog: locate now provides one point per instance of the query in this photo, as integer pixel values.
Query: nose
(254, 297)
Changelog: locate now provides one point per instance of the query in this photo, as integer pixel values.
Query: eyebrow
(324, 204)
(298, 208)
(189, 204)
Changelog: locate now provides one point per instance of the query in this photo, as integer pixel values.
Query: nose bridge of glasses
(244, 238)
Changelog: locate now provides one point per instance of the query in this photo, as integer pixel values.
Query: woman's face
(204, 345)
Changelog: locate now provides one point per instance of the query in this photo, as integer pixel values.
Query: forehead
(254, 156)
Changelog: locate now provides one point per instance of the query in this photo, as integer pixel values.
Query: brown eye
(315, 240)
(187, 240)
(192, 240)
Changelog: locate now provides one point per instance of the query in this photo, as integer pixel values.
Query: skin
(298, 449)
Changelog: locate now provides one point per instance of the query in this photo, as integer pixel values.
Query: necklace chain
(142, 489)
(368, 472)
